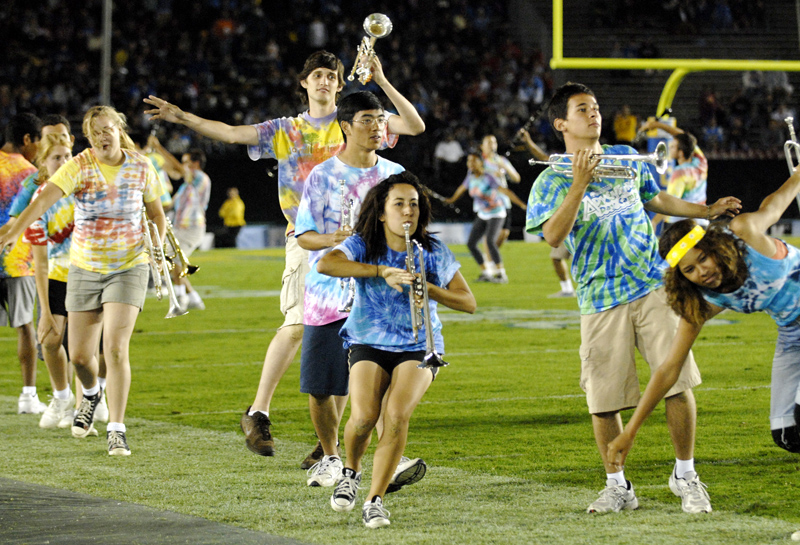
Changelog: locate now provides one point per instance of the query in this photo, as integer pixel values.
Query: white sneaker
(374, 515)
(30, 404)
(101, 411)
(614, 498)
(55, 412)
(693, 495)
(183, 301)
(344, 496)
(66, 421)
(325, 472)
(195, 303)
(408, 472)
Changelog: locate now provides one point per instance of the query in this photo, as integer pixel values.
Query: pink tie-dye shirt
(108, 234)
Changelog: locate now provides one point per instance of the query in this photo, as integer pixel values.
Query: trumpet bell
(661, 158)
(432, 360)
(377, 25)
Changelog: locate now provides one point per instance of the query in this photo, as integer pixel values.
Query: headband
(685, 244)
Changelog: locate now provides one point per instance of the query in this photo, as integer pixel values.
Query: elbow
(323, 266)
(471, 307)
(418, 128)
(303, 243)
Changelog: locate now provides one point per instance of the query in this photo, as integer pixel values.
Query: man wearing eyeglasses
(341, 180)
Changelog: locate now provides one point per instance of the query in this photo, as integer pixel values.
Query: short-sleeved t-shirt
(108, 234)
(54, 230)
(381, 316)
(15, 172)
(487, 201)
(191, 201)
(320, 211)
(299, 144)
(689, 181)
(615, 251)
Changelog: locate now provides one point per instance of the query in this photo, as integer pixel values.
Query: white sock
(566, 285)
(490, 267)
(101, 382)
(29, 390)
(682, 467)
(501, 271)
(116, 426)
(619, 477)
(93, 391)
(61, 395)
(265, 413)
(180, 290)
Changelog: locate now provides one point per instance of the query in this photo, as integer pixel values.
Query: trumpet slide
(376, 26)
(159, 266)
(419, 289)
(659, 158)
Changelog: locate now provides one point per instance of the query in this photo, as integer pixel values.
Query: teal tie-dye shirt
(615, 251)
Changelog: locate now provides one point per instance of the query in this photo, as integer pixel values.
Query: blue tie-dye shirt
(320, 211)
(615, 251)
(771, 285)
(381, 316)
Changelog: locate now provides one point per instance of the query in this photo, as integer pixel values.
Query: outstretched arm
(336, 263)
(407, 120)
(10, 232)
(164, 111)
(673, 131)
(752, 227)
(513, 196)
(457, 295)
(666, 204)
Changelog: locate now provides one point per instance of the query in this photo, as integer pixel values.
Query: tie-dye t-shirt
(54, 230)
(689, 181)
(496, 166)
(381, 316)
(108, 233)
(615, 252)
(486, 201)
(320, 211)
(772, 285)
(158, 162)
(299, 144)
(14, 170)
(26, 190)
(191, 201)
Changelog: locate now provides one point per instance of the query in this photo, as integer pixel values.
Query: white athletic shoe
(325, 472)
(66, 421)
(344, 496)
(56, 411)
(693, 495)
(101, 411)
(30, 404)
(409, 471)
(374, 515)
(614, 498)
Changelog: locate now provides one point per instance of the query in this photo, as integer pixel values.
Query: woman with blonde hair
(108, 273)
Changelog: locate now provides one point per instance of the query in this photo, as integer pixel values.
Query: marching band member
(383, 355)
(108, 273)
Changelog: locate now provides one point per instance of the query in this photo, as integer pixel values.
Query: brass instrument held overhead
(792, 144)
(376, 26)
(419, 289)
(159, 265)
(659, 158)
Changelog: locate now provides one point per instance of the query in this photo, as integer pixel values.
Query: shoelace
(615, 492)
(347, 487)
(376, 510)
(116, 440)
(85, 413)
(320, 466)
(263, 424)
(696, 490)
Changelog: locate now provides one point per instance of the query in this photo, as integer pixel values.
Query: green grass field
(504, 428)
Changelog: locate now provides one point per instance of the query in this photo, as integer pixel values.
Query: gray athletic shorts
(87, 290)
(17, 296)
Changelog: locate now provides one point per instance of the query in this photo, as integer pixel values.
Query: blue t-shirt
(615, 251)
(381, 316)
(771, 285)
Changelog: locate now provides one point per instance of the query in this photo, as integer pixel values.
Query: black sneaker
(374, 515)
(344, 497)
(257, 435)
(82, 425)
(117, 444)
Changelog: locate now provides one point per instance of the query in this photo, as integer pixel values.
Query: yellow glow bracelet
(685, 244)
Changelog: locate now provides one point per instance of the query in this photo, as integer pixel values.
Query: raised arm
(230, 134)
(172, 166)
(752, 227)
(407, 120)
(531, 146)
(650, 125)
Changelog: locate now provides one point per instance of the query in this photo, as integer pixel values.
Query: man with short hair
(620, 293)
(17, 285)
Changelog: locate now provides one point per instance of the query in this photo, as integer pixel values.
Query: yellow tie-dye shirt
(108, 234)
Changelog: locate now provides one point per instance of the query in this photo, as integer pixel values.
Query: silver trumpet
(376, 26)
(419, 317)
(659, 158)
(347, 221)
(792, 144)
(159, 265)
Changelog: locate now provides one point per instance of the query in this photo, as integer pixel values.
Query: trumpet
(792, 144)
(659, 158)
(376, 26)
(159, 265)
(347, 221)
(177, 256)
(420, 317)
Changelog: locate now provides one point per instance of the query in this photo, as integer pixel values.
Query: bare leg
(561, 269)
(55, 357)
(26, 353)
(368, 383)
(118, 323)
(606, 428)
(280, 354)
(325, 417)
(84, 336)
(681, 413)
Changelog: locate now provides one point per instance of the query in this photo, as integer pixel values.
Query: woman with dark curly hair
(743, 269)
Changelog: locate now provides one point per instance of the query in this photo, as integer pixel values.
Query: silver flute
(419, 289)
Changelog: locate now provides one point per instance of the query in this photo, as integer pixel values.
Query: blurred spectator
(232, 214)
(713, 136)
(625, 125)
(448, 155)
